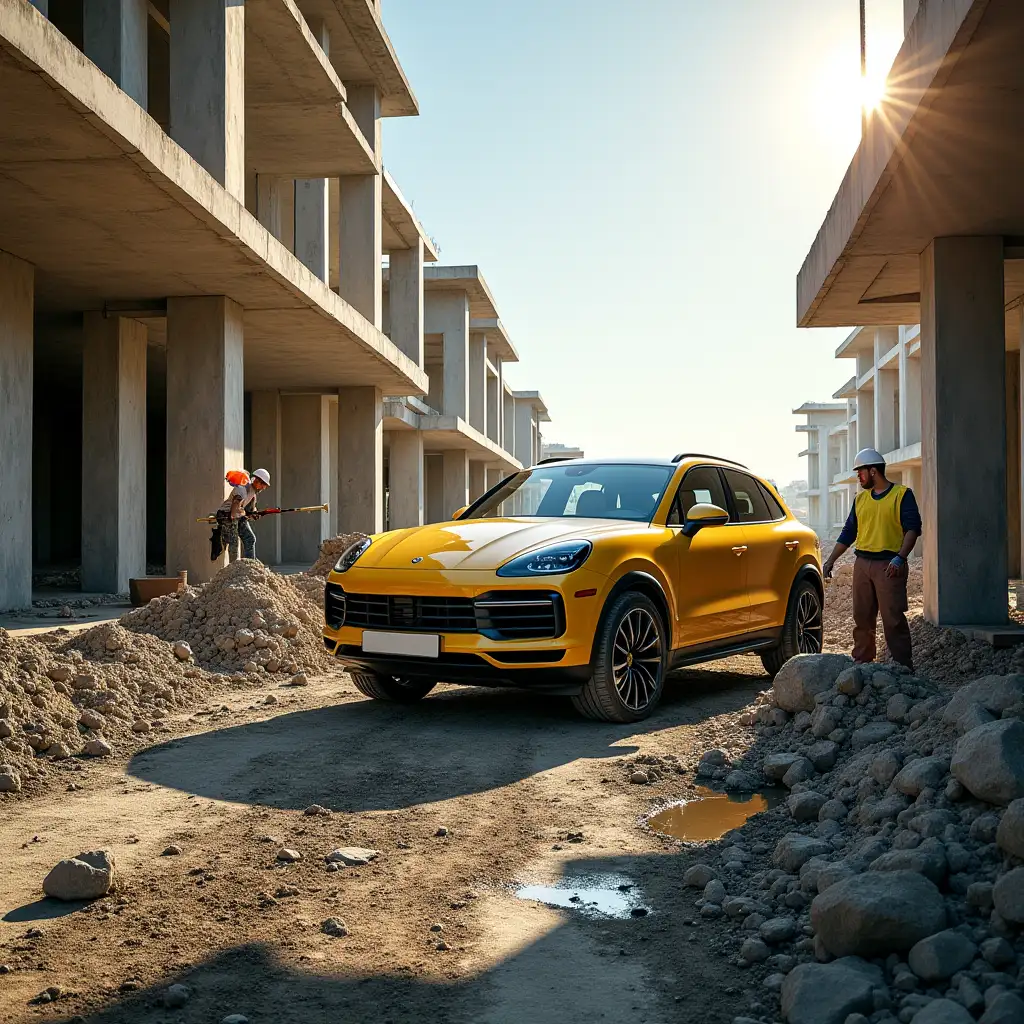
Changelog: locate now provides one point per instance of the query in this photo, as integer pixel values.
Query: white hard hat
(262, 474)
(865, 457)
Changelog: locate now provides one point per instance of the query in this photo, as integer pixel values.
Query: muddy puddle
(592, 895)
(710, 814)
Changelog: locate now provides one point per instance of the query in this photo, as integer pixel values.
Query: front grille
(502, 615)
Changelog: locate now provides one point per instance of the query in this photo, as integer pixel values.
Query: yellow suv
(586, 577)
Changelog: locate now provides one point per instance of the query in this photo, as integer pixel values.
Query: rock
(235, 1018)
(994, 693)
(172, 851)
(979, 896)
(942, 1011)
(932, 824)
(778, 929)
(90, 719)
(873, 732)
(804, 676)
(798, 771)
(85, 877)
(754, 951)
(287, 856)
(989, 761)
(850, 681)
(825, 993)
(715, 758)
(714, 892)
(742, 781)
(141, 726)
(998, 952)
(317, 810)
(351, 856)
(805, 806)
(1010, 834)
(775, 766)
(823, 755)
(285, 891)
(833, 810)
(884, 767)
(97, 748)
(874, 812)
(794, 850)
(1008, 896)
(176, 996)
(825, 721)
(697, 876)
(299, 679)
(897, 707)
(941, 955)
(10, 780)
(1005, 1008)
(334, 927)
(639, 778)
(877, 913)
(924, 773)
(743, 906)
(182, 651)
(928, 859)
(58, 751)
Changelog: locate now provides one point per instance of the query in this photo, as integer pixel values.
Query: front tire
(397, 689)
(802, 632)
(630, 660)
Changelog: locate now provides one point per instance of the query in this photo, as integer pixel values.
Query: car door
(710, 566)
(772, 549)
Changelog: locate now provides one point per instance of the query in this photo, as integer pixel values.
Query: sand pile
(247, 619)
(330, 551)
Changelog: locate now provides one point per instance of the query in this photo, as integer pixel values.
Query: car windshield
(590, 490)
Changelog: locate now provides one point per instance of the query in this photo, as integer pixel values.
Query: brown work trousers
(874, 593)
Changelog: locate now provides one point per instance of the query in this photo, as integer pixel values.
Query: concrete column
(305, 464)
(116, 41)
(16, 361)
(909, 13)
(269, 205)
(311, 228)
(448, 315)
(1013, 465)
(524, 433)
(885, 410)
(435, 386)
(113, 453)
(494, 477)
(208, 86)
(865, 419)
(455, 467)
(266, 454)
(478, 382)
(205, 422)
(360, 460)
(477, 479)
(405, 290)
(405, 478)
(360, 279)
(332, 519)
(508, 422)
(963, 367)
(433, 479)
(492, 409)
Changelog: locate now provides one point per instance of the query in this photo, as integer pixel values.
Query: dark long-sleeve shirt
(910, 520)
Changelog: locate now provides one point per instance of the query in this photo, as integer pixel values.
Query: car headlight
(351, 554)
(559, 558)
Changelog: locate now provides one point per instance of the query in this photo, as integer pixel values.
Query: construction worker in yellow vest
(884, 524)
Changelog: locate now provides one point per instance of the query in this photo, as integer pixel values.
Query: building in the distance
(825, 428)
(562, 451)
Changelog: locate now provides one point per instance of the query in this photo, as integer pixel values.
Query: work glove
(896, 567)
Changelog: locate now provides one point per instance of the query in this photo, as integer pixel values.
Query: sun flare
(873, 91)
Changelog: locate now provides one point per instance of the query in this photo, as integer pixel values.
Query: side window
(775, 510)
(701, 486)
(748, 498)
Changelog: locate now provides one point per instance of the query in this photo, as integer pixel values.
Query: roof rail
(555, 458)
(703, 455)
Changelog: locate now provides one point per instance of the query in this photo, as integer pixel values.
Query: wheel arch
(808, 571)
(643, 583)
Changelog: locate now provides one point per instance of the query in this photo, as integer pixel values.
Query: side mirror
(457, 514)
(702, 515)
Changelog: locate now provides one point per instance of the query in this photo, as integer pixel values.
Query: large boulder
(85, 877)
(924, 773)
(994, 693)
(1010, 834)
(942, 1011)
(877, 913)
(1004, 1008)
(806, 675)
(776, 765)
(928, 859)
(989, 761)
(793, 850)
(941, 955)
(829, 993)
(873, 732)
(1008, 896)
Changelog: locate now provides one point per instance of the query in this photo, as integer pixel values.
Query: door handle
(792, 545)
(739, 549)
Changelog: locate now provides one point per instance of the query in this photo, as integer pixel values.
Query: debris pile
(330, 551)
(890, 884)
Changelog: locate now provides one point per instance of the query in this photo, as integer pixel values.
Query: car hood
(480, 543)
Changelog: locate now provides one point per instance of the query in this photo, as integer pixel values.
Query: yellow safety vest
(878, 520)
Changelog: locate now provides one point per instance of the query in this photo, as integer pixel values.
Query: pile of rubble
(890, 884)
(330, 551)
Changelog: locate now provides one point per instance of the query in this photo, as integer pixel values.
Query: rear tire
(630, 660)
(397, 689)
(802, 631)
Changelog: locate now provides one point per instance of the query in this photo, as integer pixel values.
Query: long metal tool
(274, 512)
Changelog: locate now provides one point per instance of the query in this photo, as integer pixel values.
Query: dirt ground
(527, 791)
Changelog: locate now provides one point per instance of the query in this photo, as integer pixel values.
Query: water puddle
(711, 814)
(592, 895)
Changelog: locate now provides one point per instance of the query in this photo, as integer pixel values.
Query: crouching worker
(233, 516)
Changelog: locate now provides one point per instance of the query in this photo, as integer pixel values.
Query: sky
(639, 183)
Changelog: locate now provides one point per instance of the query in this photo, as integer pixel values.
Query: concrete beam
(405, 479)
(305, 474)
(208, 87)
(205, 422)
(16, 365)
(963, 366)
(360, 460)
(116, 35)
(113, 453)
(455, 481)
(266, 454)
(405, 294)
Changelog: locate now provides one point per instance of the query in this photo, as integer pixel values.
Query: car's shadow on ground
(370, 755)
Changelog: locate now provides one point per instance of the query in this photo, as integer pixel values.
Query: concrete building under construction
(204, 265)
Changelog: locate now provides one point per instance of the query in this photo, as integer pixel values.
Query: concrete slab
(995, 636)
(401, 225)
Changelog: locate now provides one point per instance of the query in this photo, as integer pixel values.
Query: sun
(873, 90)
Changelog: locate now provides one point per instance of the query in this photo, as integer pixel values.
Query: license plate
(411, 645)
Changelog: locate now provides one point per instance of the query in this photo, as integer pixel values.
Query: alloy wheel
(809, 629)
(637, 658)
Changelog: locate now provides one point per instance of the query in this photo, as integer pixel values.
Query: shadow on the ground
(42, 910)
(369, 755)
